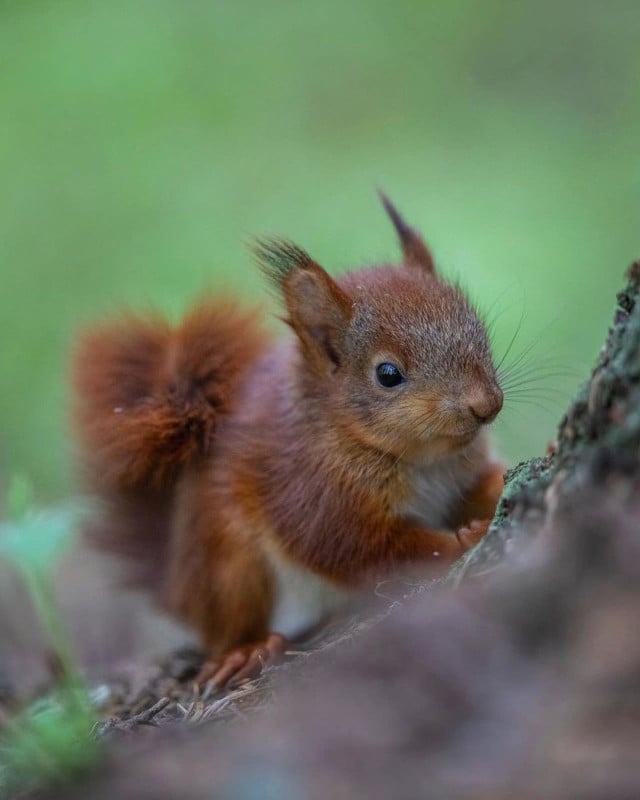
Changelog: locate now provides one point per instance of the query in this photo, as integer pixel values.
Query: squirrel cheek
(450, 417)
(428, 416)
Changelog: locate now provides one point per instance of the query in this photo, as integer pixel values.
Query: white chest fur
(437, 491)
(302, 599)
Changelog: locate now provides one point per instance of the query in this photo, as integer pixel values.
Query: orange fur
(148, 395)
(148, 398)
(481, 501)
(214, 449)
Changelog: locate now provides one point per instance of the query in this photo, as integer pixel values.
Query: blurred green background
(142, 143)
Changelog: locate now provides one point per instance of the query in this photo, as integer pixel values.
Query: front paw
(469, 535)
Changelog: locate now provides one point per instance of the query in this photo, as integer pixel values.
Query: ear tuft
(277, 258)
(414, 249)
(318, 309)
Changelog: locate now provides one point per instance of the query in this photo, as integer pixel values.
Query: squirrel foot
(241, 663)
(469, 535)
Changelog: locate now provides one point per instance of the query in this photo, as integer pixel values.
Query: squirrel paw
(242, 663)
(469, 535)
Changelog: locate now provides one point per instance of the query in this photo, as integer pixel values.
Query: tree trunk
(598, 445)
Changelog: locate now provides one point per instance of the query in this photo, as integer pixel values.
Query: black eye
(389, 375)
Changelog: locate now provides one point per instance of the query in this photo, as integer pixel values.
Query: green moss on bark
(598, 438)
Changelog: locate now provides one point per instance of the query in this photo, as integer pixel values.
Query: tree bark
(598, 443)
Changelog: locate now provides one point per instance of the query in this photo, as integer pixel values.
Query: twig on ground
(146, 717)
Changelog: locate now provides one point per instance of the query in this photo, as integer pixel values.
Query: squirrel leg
(481, 501)
(437, 547)
(242, 663)
(479, 506)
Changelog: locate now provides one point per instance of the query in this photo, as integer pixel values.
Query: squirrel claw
(241, 664)
(469, 535)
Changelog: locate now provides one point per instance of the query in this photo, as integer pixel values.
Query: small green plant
(48, 740)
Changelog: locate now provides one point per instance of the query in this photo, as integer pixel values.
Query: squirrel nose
(484, 406)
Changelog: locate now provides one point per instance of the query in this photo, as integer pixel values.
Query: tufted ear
(319, 311)
(414, 249)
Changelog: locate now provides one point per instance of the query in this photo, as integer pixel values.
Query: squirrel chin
(448, 444)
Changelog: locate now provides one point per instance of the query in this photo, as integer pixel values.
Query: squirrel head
(399, 357)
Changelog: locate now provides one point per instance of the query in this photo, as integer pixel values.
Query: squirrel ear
(414, 249)
(319, 310)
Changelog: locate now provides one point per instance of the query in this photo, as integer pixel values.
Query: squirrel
(256, 485)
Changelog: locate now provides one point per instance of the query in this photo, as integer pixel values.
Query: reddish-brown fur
(148, 397)
(212, 448)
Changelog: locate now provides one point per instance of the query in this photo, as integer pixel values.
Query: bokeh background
(142, 143)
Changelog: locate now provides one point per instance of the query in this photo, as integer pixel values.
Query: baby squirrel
(255, 485)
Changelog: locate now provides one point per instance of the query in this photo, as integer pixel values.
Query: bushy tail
(147, 398)
(148, 395)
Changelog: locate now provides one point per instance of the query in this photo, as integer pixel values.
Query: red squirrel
(256, 485)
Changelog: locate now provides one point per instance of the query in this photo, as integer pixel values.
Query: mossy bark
(598, 440)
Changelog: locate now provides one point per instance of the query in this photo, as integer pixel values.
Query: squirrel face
(418, 375)
(401, 358)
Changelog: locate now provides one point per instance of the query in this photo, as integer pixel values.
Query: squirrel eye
(389, 375)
